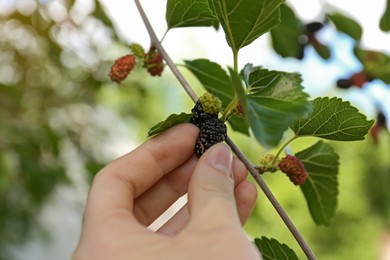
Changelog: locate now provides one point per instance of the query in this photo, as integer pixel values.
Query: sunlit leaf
(184, 13)
(334, 119)
(246, 72)
(321, 186)
(277, 100)
(245, 20)
(171, 121)
(271, 249)
(346, 25)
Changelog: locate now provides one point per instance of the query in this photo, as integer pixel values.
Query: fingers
(152, 203)
(177, 223)
(246, 195)
(155, 201)
(118, 184)
(211, 190)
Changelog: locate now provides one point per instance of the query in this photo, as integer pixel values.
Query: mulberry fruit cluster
(294, 169)
(153, 62)
(199, 116)
(212, 129)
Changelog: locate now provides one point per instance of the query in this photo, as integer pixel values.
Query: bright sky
(318, 76)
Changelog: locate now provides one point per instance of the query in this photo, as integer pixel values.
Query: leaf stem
(229, 109)
(282, 148)
(235, 58)
(251, 168)
(165, 34)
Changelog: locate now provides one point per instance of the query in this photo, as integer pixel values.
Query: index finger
(119, 183)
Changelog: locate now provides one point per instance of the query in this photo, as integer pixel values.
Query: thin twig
(156, 43)
(251, 168)
(255, 174)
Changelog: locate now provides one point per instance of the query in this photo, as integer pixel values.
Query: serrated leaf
(271, 249)
(376, 64)
(385, 20)
(245, 20)
(276, 101)
(333, 119)
(216, 81)
(346, 25)
(321, 186)
(171, 121)
(184, 13)
(285, 36)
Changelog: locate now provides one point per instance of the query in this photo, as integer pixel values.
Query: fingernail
(220, 157)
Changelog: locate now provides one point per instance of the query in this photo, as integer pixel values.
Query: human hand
(131, 192)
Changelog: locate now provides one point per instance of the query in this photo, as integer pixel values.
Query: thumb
(211, 189)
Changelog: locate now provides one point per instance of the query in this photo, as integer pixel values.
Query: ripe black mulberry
(212, 131)
(199, 116)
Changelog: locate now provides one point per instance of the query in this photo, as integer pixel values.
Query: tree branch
(251, 168)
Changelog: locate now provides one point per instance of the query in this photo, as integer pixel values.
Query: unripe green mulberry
(210, 103)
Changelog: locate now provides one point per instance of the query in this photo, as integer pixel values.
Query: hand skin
(130, 193)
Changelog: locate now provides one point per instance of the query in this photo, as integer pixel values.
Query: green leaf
(321, 186)
(346, 25)
(385, 20)
(216, 81)
(213, 78)
(271, 249)
(276, 101)
(239, 124)
(285, 36)
(245, 20)
(172, 120)
(376, 64)
(334, 119)
(184, 13)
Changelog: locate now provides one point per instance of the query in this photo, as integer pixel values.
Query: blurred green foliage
(54, 61)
